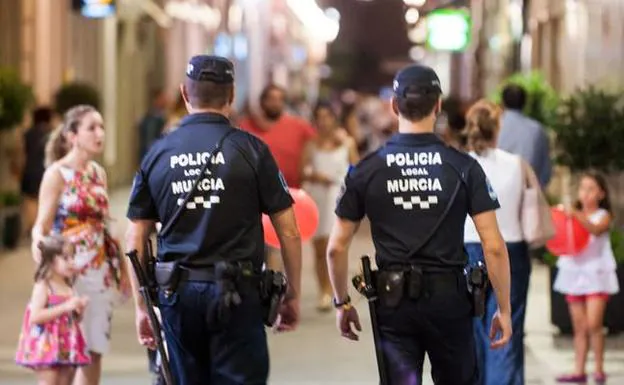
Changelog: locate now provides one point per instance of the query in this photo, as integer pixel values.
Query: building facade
(578, 42)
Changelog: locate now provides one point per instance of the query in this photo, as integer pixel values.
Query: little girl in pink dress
(51, 342)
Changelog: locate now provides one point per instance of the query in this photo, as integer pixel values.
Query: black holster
(390, 287)
(477, 281)
(273, 286)
(167, 276)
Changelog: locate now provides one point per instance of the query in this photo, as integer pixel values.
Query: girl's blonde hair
(482, 125)
(51, 246)
(57, 145)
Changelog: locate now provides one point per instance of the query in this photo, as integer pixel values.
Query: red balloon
(306, 213)
(570, 236)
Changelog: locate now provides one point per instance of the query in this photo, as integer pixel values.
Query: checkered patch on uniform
(200, 201)
(416, 202)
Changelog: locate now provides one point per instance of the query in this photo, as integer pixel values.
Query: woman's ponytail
(57, 146)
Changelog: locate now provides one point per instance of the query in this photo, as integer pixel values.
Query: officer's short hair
(514, 97)
(207, 94)
(210, 81)
(417, 91)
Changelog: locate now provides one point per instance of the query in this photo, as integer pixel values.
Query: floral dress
(58, 342)
(81, 218)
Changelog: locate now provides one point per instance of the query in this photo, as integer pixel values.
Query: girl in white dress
(588, 278)
(325, 164)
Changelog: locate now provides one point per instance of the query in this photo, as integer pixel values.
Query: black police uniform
(221, 222)
(404, 188)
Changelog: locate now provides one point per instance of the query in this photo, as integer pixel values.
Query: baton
(165, 371)
(367, 288)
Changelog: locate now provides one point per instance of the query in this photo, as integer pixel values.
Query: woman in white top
(325, 163)
(504, 172)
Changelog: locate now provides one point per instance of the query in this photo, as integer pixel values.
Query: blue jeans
(204, 351)
(504, 366)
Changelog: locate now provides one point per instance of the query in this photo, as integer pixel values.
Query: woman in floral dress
(74, 202)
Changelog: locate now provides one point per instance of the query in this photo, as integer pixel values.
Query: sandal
(572, 379)
(600, 377)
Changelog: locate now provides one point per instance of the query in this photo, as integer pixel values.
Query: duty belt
(209, 273)
(415, 282)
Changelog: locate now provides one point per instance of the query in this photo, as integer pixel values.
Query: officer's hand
(288, 317)
(144, 329)
(345, 317)
(501, 327)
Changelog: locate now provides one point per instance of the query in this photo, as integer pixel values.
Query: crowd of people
(65, 192)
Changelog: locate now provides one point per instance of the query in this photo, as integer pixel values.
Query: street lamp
(415, 3)
(412, 15)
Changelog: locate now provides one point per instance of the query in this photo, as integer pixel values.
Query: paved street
(315, 354)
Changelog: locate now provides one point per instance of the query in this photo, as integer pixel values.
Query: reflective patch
(490, 189)
(283, 181)
(343, 189)
(135, 181)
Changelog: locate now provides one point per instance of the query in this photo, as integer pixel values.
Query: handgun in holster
(273, 286)
(477, 281)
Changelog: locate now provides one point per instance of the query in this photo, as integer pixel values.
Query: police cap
(211, 68)
(416, 80)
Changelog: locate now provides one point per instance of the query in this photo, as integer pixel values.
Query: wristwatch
(346, 304)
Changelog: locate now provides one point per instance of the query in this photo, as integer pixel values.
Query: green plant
(549, 258)
(15, 96)
(542, 99)
(589, 128)
(73, 94)
(10, 199)
(617, 244)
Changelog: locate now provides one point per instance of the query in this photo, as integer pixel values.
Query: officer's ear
(232, 95)
(395, 105)
(184, 94)
(438, 107)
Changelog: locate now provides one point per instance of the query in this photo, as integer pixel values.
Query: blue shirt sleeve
(141, 204)
(350, 204)
(544, 169)
(481, 194)
(274, 193)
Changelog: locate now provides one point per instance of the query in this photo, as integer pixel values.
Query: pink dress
(58, 342)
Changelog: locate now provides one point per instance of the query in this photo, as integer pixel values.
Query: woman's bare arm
(49, 194)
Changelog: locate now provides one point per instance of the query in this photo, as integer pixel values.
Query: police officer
(416, 192)
(210, 257)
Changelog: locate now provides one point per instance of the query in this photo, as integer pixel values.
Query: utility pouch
(227, 278)
(415, 283)
(167, 275)
(390, 287)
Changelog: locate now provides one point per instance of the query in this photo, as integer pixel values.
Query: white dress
(591, 271)
(334, 164)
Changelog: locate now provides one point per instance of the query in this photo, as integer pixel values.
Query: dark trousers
(504, 366)
(439, 324)
(205, 351)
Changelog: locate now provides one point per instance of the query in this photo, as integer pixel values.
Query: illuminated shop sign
(448, 29)
(95, 8)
